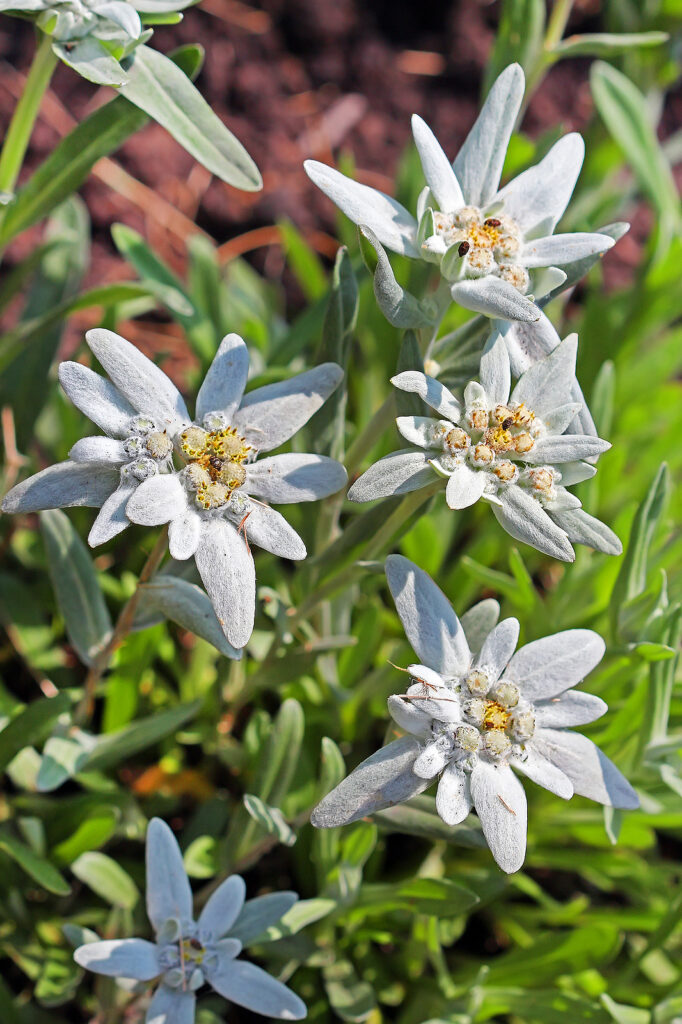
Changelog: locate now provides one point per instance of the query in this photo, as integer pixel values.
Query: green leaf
(91, 59)
(350, 998)
(30, 725)
(519, 37)
(302, 914)
(157, 86)
(400, 307)
(92, 833)
(607, 44)
(154, 273)
(328, 426)
(15, 341)
(627, 116)
(270, 819)
(107, 879)
(39, 869)
(304, 262)
(409, 358)
(146, 732)
(632, 576)
(60, 271)
(80, 600)
(437, 896)
(70, 162)
(624, 1014)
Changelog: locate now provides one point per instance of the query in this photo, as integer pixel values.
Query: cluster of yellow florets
(488, 244)
(216, 463)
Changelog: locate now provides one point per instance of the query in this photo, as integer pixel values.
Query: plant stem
(410, 503)
(25, 113)
(561, 12)
(121, 629)
(368, 437)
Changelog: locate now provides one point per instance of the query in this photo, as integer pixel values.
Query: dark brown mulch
(293, 79)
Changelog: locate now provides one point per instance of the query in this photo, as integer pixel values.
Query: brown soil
(293, 79)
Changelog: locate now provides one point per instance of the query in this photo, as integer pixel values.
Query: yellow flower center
(215, 463)
(495, 716)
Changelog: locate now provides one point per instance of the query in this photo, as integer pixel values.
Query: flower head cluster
(509, 447)
(487, 240)
(473, 716)
(204, 478)
(186, 953)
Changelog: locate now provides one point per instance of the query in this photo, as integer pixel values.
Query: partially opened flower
(472, 718)
(508, 449)
(488, 241)
(187, 954)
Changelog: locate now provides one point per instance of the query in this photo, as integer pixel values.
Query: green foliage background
(402, 918)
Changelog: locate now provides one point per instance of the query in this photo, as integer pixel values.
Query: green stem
(561, 12)
(410, 503)
(370, 435)
(123, 626)
(25, 114)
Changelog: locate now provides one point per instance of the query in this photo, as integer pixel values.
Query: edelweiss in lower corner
(486, 239)
(188, 954)
(215, 503)
(510, 451)
(475, 716)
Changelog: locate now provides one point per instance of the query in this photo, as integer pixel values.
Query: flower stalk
(121, 630)
(25, 114)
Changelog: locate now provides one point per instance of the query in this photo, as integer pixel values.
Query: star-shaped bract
(487, 240)
(473, 717)
(186, 953)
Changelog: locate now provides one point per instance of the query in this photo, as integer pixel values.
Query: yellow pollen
(495, 717)
(215, 463)
(485, 236)
(193, 950)
(499, 439)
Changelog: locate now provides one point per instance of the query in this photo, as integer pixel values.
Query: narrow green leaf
(350, 998)
(30, 725)
(628, 118)
(631, 579)
(156, 85)
(153, 271)
(70, 162)
(145, 732)
(80, 600)
(409, 358)
(270, 819)
(67, 255)
(607, 44)
(106, 878)
(304, 262)
(39, 869)
(519, 37)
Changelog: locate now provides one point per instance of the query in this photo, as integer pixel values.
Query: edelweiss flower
(188, 954)
(486, 239)
(472, 718)
(215, 503)
(510, 451)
